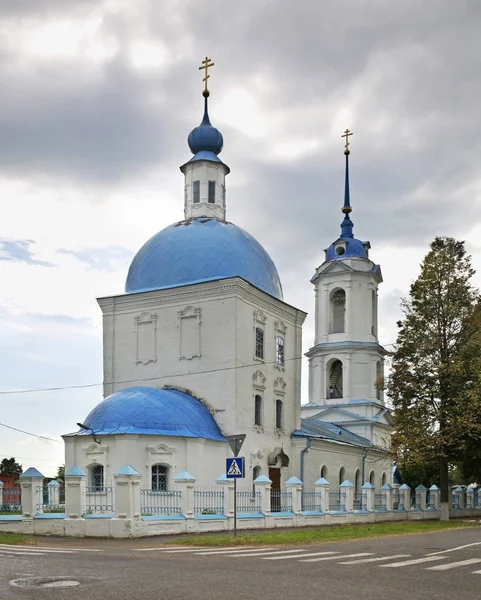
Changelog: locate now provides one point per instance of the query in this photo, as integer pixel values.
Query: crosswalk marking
(237, 551)
(369, 560)
(265, 553)
(309, 560)
(46, 549)
(415, 561)
(454, 565)
(297, 555)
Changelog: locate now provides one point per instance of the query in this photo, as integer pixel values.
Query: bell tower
(346, 363)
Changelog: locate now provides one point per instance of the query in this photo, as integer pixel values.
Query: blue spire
(205, 137)
(347, 225)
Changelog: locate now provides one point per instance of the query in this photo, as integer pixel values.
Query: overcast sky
(98, 97)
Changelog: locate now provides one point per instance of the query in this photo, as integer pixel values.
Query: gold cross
(206, 64)
(346, 135)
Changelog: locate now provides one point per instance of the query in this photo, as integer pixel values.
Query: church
(202, 345)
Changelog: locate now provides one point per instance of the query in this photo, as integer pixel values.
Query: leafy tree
(432, 367)
(60, 473)
(10, 465)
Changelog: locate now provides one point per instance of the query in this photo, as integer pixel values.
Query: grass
(325, 534)
(15, 538)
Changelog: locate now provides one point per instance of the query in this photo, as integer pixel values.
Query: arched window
(372, 478)
(357, 482)
(278, 414)
(259, 349)
(374, 312)
(324, 471)
(337, 312)
(342, 475)
(97, 477)
(379, 380)
(258, 410)
(383, 479)
(335, 380)
(160, 476)
(196, 193)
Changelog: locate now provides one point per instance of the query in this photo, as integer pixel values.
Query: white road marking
(454, 565)
(12, 554)
(454, 549)
(415, 561)
(237, 551)
(198, 550)
(297, 555)
(49, 548)
(336, 557)
(36, 551)
(368, 560)
(264, 553)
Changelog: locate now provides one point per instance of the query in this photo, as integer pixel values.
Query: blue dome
(202, 249)
(152, 411)
(205, 137)
(354, 248)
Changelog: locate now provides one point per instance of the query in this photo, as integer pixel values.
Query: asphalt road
(437, 565)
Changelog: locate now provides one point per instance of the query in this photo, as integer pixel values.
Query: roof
(199, 250)
(329, 431)
(147, 410)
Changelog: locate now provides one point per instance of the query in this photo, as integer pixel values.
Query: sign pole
(235, 508)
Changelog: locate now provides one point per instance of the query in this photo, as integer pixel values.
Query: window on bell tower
(337, 312)
(196, 198)
(335, 380)
(211, 197)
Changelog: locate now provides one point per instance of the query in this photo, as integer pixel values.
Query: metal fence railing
(311, 501)
(100, 500)
(48, 500)
(11, 501)
(379, 502)
(248, 501)
(337, 501)
(160, 503)
(360, 501)
(397, 500)
(209, 501)
(281, 501)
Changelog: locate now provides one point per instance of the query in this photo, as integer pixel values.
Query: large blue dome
(146, 410)
(202, 249)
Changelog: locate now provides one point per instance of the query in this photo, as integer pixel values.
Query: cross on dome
(206, 64)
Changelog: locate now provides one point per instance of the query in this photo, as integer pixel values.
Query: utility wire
(91, 385)
(43, 437)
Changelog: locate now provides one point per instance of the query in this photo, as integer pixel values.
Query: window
(337, 312)
(383, 479)
(372, 478)
(159, 478)
(278, 414)
(324, 471)
(97, 477)
(258, 410)
(280, 350)
(259, 342)
(379, 380)
(211, 197)
(342, 475)
(335, 380)
(196, 192)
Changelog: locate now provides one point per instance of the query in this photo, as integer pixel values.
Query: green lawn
(325, 534)
(15, 538)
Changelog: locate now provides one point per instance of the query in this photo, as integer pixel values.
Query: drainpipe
(366, 450)
(303, 452)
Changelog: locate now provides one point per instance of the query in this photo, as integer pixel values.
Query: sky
(98, 97)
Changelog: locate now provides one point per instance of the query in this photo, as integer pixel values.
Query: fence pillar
(387, 491)
(30, 481)
(263, 486)
(127, 493)
(184, 482)
(459, 497)
(294, 485)
(368, 490)
(228, 494)
(323, 487)
(421, 493)
(470, 497)
(75, 484)
(435, 497)
(406, 491)
(53, 492)
(347, 488)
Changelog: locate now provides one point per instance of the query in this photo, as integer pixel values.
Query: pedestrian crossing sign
(235, 468)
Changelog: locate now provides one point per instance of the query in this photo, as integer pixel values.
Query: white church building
(203, 345)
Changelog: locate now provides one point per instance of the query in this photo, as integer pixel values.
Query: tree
(432, 373)
(60, 473)
(10, 465)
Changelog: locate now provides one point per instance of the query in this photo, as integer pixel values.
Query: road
(430, 565)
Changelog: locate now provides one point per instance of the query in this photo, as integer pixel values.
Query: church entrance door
(275, 477)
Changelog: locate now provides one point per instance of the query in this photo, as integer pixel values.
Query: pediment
(336, 267)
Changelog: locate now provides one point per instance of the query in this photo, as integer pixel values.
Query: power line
(43, 437)
(91, 385)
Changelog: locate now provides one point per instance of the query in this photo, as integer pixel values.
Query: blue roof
(325, 430)
(202, 249)
(205, 136)
(354, 249)
(153, 411)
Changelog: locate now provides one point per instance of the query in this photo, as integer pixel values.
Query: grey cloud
(103, 259)
(20, 251)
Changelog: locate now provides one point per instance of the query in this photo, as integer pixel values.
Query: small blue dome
(205, 137)
(354, 248)
(152, 411)
(202, 249)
